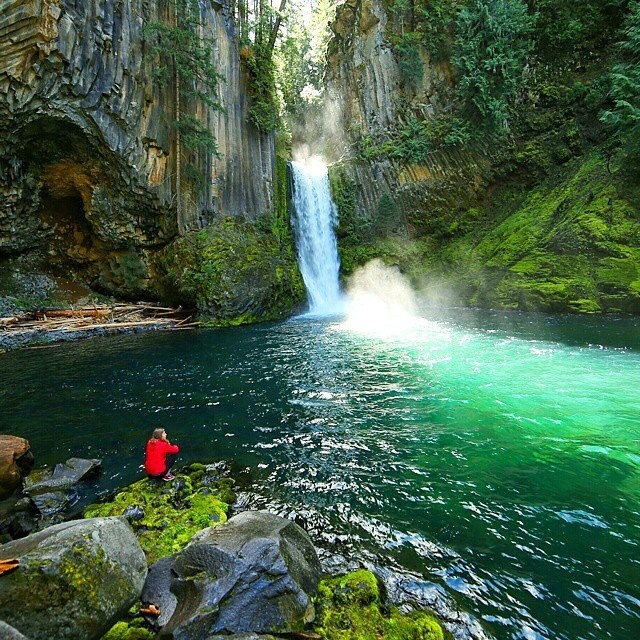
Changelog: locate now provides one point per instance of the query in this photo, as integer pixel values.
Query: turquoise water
(497, 455)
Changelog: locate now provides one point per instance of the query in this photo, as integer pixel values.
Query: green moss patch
(166, 515)
(350, 608)
(129, 631)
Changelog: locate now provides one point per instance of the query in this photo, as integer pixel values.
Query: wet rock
(157, 591)
(50, 503)
(63, 476)
(7, 632)
(16, 462)
(411, 591)
(134, 512)
(22, 524)
(255, 574)
(74, 580)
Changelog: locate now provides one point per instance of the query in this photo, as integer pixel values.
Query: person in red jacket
(160, 455)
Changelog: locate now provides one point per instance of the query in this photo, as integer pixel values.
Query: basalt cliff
(89, 187)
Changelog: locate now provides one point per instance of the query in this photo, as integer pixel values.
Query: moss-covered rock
(75, 579)
(125, 631)
(351, 607)
(164, 516)
(234, 272)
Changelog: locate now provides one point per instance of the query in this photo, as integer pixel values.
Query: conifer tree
(184, 57)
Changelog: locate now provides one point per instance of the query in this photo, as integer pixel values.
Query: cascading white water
(314, 221)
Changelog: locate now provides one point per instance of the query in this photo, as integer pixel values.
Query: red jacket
(155, 460)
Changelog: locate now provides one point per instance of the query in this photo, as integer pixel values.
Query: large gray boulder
(74, 580)
(254, 574)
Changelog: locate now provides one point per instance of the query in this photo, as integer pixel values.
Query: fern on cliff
(624, 115)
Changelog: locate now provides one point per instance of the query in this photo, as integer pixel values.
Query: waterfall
(314, 220)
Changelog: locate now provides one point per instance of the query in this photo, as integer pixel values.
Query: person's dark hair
(157, 433)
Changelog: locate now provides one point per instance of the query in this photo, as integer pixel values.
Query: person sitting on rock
(159, 456)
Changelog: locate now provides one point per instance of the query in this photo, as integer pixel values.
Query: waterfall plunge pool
(497, 455)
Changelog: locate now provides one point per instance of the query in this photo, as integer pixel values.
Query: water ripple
(498, 464)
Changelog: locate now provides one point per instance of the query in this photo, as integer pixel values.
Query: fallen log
(75, 313)
(119, 325)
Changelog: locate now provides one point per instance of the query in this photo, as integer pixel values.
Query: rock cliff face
(87, 148)
(368, 95)
(537, 220)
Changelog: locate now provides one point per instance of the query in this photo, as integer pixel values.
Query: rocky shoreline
(191, 559)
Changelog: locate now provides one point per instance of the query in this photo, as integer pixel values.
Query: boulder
(254, 574)
(74, 580)
(157, 591)
(63, 476)
(50, 503)
(16, 461)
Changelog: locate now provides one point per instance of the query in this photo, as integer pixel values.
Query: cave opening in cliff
(64, 161)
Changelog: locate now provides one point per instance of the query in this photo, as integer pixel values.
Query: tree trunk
(276, 26)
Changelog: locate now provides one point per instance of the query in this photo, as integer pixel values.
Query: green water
(496, 455)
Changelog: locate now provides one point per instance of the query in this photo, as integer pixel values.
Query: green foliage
(436, 20)
(194, 134)
(492, 46)
(416, 139)
(350, 608)
(424, 23)
(623, 116)
(173, 513)
(410, 61)
(184, 54)
(280, 226)
(351, 224)
(293, 69)
(301, 55)
(181, 49)
(259, 63)
(573, 28)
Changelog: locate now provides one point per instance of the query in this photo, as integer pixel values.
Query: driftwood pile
(53, 325)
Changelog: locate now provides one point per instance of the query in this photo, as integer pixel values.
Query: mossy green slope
(571, 244)
(350, 607)
(129, 631)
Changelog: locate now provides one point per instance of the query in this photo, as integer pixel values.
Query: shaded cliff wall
(367, 95)
(87, 148)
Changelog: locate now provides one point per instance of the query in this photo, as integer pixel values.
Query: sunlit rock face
(87, 145)
(367, 95)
